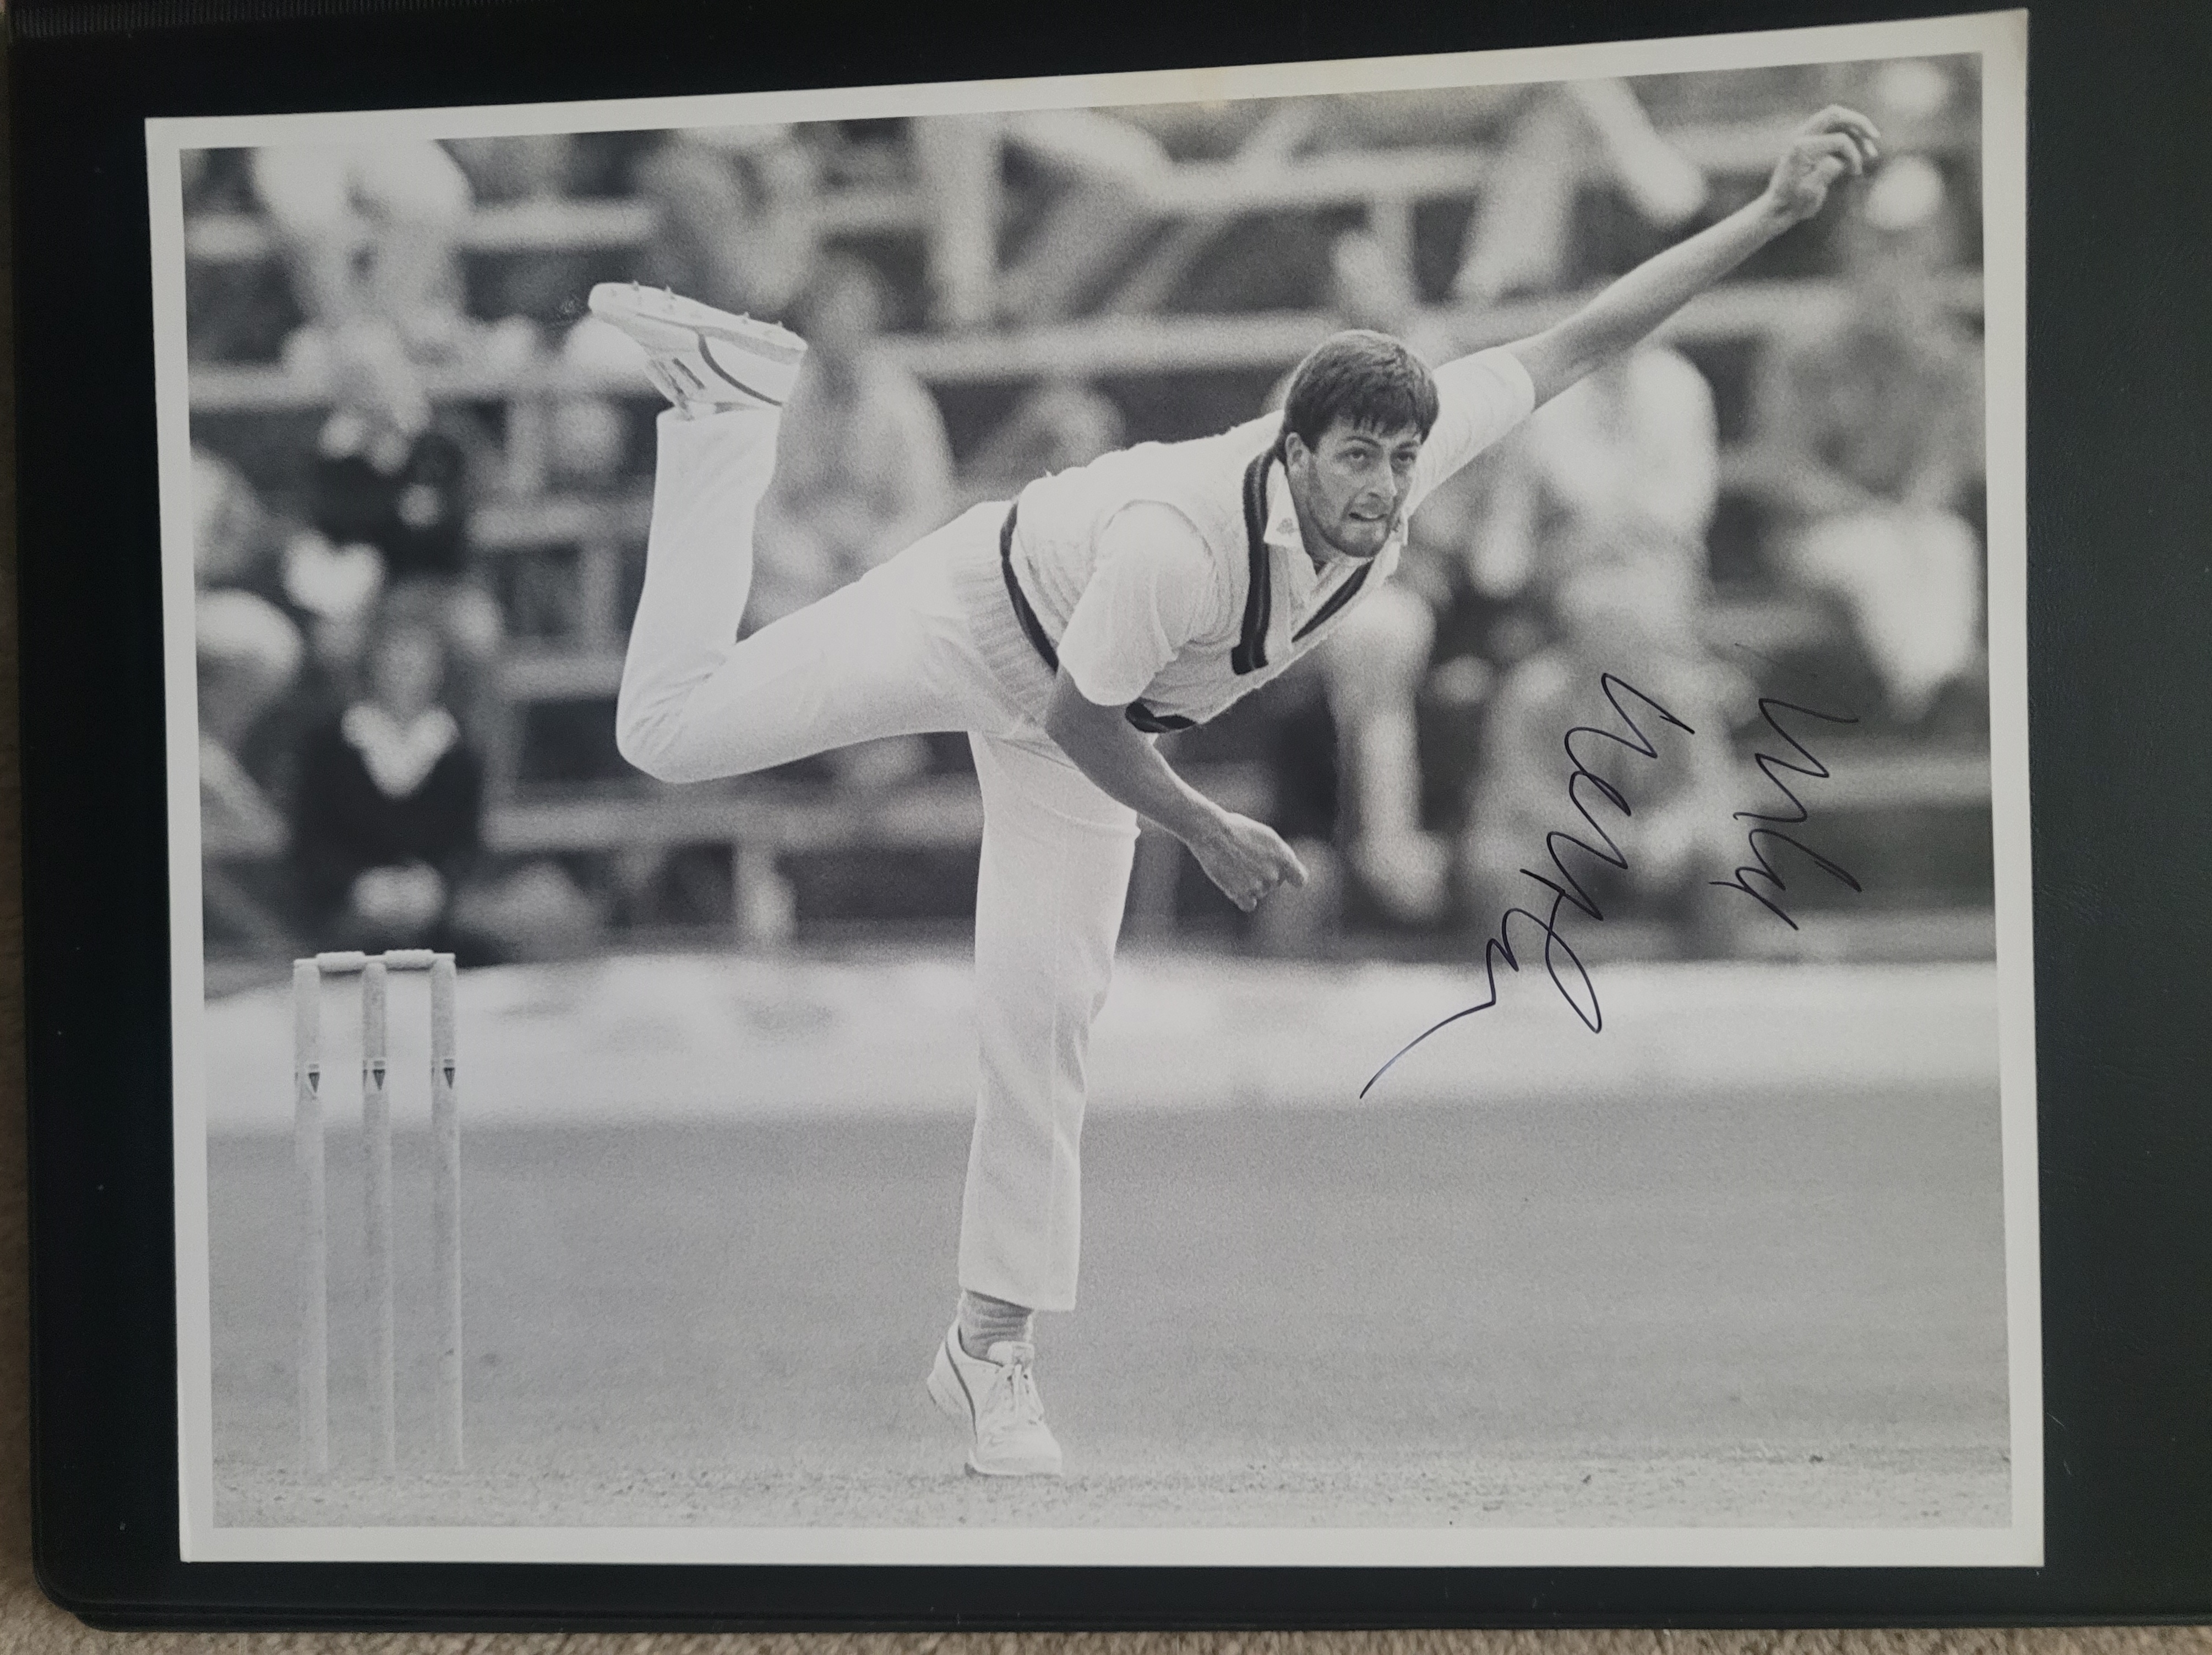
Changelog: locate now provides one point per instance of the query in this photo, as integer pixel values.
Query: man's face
(1351, 485)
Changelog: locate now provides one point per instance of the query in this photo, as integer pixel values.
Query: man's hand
(1835, 141)
(1247, 859)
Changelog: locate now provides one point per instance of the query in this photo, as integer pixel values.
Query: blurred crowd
(350, 632)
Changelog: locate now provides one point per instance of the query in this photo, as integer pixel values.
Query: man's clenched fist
(1247, 859)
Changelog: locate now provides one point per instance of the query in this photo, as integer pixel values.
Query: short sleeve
(1479, 399)
(1151, 594)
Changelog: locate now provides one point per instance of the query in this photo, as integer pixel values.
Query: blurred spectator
(735, 216)
(863, 464)
(386, 823)
(1623, 467)
(1637, 621)
(1620, 471)
(415, 198)
(1868, 451)
(1060, 424)
(249, 650)
(388, 500)
(591, 435)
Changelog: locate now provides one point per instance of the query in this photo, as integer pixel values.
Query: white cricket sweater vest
(1219, 483)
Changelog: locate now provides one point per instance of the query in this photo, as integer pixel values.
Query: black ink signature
(1499, 946)
(1813, 769)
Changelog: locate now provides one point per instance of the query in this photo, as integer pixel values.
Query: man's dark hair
(1368, 380)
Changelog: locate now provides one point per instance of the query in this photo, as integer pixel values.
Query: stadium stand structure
(598, 539)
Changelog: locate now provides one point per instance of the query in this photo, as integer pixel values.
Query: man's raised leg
(709, 478)
(727, 377)
(870, 659)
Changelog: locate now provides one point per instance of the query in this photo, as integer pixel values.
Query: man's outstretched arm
(1835, 141)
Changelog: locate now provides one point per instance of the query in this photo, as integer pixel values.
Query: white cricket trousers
(912, 646)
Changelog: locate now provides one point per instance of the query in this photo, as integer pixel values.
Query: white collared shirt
(1161, 604)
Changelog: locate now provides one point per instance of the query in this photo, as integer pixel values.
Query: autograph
(1813, 768)
(1577, 989)
(1499, 945)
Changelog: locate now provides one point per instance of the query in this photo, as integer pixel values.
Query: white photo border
(1998, 39)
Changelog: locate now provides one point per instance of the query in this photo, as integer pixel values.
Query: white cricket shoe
(996, 1398)
(703, 360)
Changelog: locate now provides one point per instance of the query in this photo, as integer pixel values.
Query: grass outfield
(1734, 1306)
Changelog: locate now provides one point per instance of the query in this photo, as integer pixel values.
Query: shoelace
(1021, 1389)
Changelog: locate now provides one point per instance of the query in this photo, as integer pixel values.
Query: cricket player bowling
(1063, 631)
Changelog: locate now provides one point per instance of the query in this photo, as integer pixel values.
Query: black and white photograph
(1258, 815)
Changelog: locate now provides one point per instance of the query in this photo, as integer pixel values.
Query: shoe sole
(676, 338)
(947, 1391)
(773, 344)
